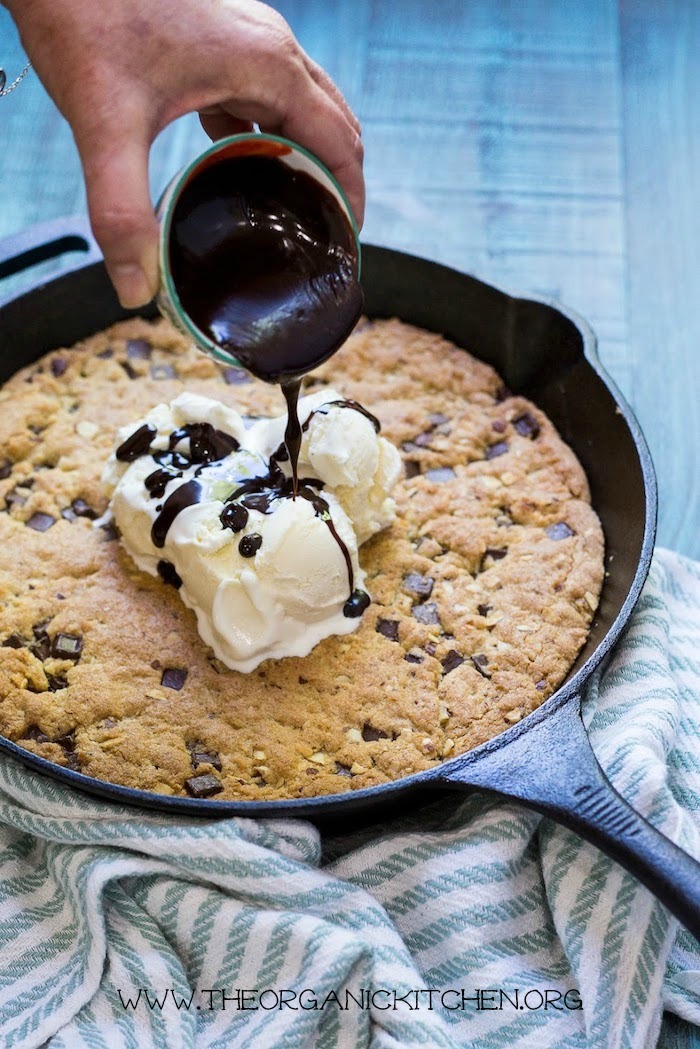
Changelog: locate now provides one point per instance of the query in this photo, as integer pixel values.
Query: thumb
(115, 165)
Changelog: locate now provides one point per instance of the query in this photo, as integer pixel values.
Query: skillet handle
(552, 769)
(48, 240)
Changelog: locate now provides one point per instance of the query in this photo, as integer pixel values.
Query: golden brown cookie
(483, 590)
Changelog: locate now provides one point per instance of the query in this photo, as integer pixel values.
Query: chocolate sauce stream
(292, 434)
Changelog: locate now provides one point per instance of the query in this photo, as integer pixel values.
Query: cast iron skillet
(549, 355)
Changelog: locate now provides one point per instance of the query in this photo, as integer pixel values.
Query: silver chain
(5, 88)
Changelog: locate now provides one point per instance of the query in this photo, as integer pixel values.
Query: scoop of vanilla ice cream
(344, 450)
(284, 602)
(292, 591)
(341, 447)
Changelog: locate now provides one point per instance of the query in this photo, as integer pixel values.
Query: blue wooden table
(547, 147)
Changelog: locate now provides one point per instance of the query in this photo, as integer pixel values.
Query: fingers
(219, 124)
(316, 121)
(320, 76)
(115, 164)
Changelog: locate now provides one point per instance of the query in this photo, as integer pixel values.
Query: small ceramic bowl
(248, 144)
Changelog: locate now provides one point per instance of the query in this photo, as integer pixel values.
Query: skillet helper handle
(45, 241)
(552, 769)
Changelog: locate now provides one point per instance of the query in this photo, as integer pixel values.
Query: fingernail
(133, 286)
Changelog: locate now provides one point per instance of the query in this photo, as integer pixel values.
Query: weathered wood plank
(661, 84)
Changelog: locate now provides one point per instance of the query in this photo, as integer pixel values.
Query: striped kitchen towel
(468, 924)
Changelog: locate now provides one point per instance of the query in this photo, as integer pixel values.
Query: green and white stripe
(96, 898)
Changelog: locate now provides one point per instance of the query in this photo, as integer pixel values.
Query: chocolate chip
(431, 648)
(492, 553)
(250, 544)
(312, 772)
(560, 530)
(69, 514)
(107, 723)
(412, 468)
(527, 426)
(111, 532)
(35, 733)
(5, 469)
(106, 354)
(370, 733)
(541, 685)
(67, 646)
(303, 680)
(73, 762)
(199, 755)
(480, 662)
(484, 610)
(163, 371)
(81, 509)
(156, 664)
(59, 366)
(234, 516)
(129, 370)
(16, 497)
(14, 641)
(438, 419)
(452, 660)
(414, 656)
(420, 585)
(66, 742)
(203, 786)
(340, 770)
(236, 376)
(60, 597)
(168, 574)
(502, 394)
(423, 440)
(388, 628)
(56, 682)
(499, 425)
(40, 522)
(494, 450)
(41, 645)
(426, 614)
(173, 678)
(441, 474)
(138, 349)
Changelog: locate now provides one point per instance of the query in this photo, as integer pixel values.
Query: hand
(121, 71)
